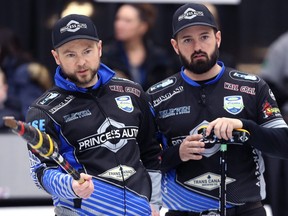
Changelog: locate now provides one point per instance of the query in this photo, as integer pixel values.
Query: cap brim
(193, 24)
(74, 38)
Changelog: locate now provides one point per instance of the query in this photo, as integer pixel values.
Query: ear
(218, 38)
(56, 56)
(99, 45)
(175, 45)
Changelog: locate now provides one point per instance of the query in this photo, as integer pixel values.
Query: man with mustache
(205, 93)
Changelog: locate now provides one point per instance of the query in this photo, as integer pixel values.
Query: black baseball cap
(71, 27)
(192, 14)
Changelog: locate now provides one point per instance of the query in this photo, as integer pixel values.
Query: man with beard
(104, 128)
(205, 93)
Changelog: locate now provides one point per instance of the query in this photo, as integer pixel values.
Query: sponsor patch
(77, 115)
(49, 98)
(231, 86)
(39, 124)
(174, 112)
(248, 90)
(162, 85)
(233, 104)
(66, 101)
(167, 96)
(116, 88)
(241, 76)
(208, 181)
(133, 91)
(269, 111)
(235, 87)
(112, 139)
(125, 103)
(117, 174)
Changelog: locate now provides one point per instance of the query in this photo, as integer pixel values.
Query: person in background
(7, 106)
(104, 128)
(132, 53)
(275, 72)
(27, 79)
(205, 93)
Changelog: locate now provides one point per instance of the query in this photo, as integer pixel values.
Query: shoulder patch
(162, 85)
(51, 96)
(241, 76)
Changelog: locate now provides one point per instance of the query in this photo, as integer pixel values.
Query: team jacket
(106, 131)
(182, 105)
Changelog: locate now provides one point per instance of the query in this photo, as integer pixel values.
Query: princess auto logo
(73, 26)
(111, 134)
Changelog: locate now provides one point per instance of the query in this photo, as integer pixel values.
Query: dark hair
(147, 13)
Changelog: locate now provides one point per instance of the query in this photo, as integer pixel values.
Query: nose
(197, 45)
(81, 61)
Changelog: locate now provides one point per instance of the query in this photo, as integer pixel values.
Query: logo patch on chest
(208, 181)
(233, 104)
(125, 103)
(119, 173)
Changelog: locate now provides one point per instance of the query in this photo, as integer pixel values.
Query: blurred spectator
(7, 106)
(26, 79)
(132, 54)
(275, 72)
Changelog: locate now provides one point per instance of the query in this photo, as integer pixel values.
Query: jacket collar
(194, 83)
(104, 73)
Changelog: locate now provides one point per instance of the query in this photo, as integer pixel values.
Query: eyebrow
(202, 33)
(70, 51)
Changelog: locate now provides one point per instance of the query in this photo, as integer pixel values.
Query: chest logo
(208, 181)
(49, 98)
(111, 134)
(117, 174)
(125, 103)
(233, 104)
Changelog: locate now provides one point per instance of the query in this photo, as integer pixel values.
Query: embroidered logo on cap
(73, 26)
(190, 13)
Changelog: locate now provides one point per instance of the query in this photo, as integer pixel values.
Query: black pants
(249, 209)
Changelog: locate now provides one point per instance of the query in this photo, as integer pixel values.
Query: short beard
(200, 66)
(73, 78)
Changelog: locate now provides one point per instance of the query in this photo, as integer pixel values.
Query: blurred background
(248, 29)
